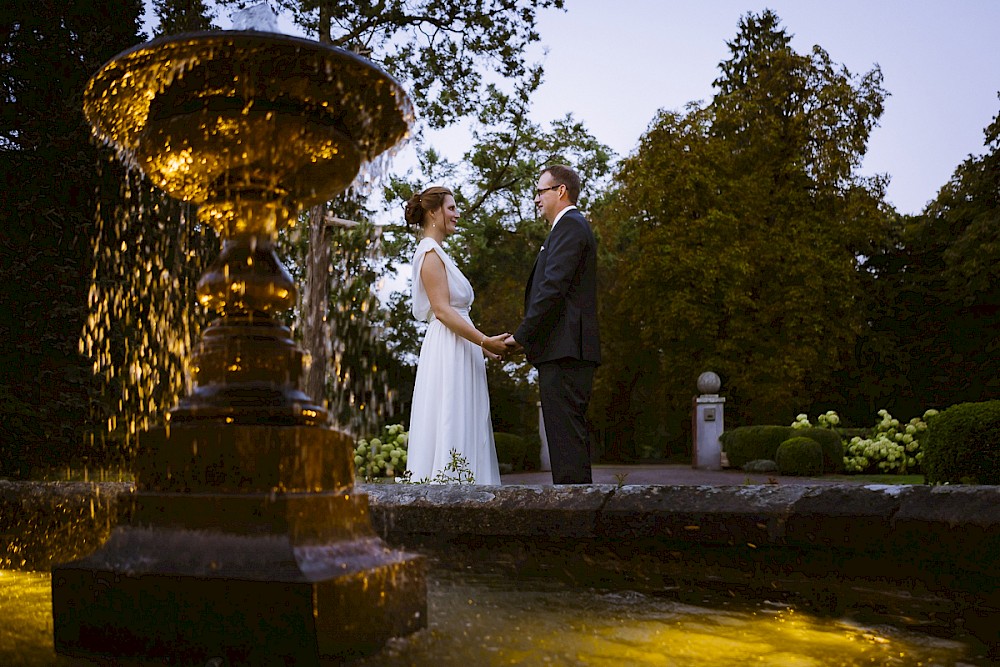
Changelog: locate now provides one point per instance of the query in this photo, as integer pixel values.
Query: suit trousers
(565, 386)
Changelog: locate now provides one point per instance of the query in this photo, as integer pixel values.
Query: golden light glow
(176, 163)
(477, 620)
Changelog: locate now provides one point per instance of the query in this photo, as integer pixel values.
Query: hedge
(749, 443)
(511, 449)
(963, 445)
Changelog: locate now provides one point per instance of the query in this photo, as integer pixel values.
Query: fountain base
(249, 575)
(194, 595)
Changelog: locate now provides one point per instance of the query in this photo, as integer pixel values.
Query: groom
(559, 331)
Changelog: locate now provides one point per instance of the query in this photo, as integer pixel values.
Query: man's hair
(564, 175)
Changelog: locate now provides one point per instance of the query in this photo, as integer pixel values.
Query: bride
(451, 405)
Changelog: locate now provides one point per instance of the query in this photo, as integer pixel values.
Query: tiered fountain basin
(245, 540)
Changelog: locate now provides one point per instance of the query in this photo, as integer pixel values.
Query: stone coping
(926, 557)
(954, 523)
(957, 525)
(872, 518)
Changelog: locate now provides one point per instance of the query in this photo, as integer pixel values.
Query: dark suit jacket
(560, 300)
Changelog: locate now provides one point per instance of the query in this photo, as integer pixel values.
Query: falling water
(248, 127)
(341, 333)
(148, 252)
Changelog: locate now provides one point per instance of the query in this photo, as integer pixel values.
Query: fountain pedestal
(223, 569)
(247, 540)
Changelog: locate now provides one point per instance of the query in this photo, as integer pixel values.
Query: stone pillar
(708, 423)
(546, 461)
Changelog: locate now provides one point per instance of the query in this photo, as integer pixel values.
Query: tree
(935, 297)
(440, 49)
(176, 16)
(350, 362)
(47, 52)
(735, 234)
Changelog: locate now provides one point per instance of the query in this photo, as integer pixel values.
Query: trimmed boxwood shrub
(748, 443)
(963, 444)
(799, 456)
(832, 444)
(511, 449)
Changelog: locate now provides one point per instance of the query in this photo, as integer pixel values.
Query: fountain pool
(490, 618)
(840, 574)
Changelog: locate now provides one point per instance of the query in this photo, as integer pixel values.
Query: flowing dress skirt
(450, 410)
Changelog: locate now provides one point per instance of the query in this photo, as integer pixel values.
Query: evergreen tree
(737, 231)
(176, 16)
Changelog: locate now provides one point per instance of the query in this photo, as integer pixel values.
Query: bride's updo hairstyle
(418, 206)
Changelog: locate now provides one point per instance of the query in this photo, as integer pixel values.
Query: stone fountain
(248, 541)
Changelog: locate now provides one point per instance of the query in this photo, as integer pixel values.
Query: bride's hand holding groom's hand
(494, 347)
(513, 347)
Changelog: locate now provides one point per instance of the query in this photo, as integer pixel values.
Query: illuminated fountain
(247, 541)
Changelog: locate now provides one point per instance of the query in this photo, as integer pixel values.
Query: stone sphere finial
(709, 383)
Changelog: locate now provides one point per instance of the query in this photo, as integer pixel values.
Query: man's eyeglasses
(539, 191)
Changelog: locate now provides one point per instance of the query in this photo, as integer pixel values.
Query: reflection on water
(26, 610)
(478, 620)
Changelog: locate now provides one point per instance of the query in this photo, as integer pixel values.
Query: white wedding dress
(451, 404)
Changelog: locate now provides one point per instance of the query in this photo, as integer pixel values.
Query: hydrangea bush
(382, 456)
(891, 447)
(827, 420)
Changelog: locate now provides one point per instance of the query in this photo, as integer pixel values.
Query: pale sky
(614, 63)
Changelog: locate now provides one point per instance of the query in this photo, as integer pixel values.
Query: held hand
(513, 346)
(494, 346)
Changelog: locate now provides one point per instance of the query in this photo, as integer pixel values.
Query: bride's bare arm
(435, 278)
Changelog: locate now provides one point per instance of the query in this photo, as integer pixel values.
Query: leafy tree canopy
(935, 297)
(441, 50)
(177, 16)
(49, 177)
(735, 234)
